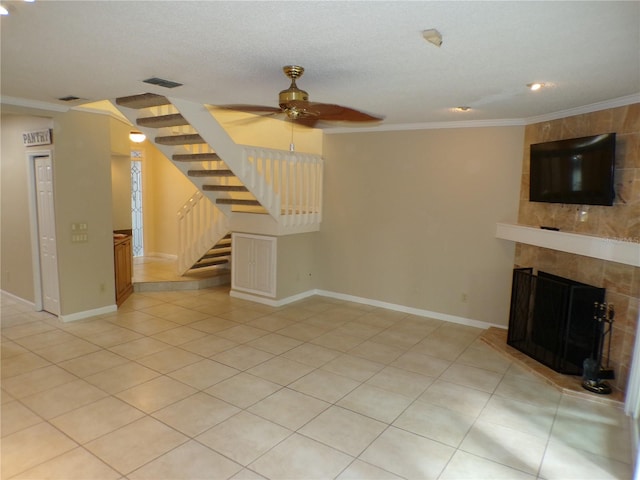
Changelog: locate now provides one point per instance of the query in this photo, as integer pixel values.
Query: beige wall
(15, 240)
(620, 221)
(121, 192)
(296, 264)
(82, 172)
(81, 158)
(165, 190)
(120, 174)
(246, 129)
(409, 218)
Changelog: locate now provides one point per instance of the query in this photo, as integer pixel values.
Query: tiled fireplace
(621, 222)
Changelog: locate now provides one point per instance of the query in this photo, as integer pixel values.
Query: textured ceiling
(367, 55)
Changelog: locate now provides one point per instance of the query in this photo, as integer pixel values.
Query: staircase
(219, 254)
(255, 190)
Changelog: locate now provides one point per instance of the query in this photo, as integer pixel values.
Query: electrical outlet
(79, 232)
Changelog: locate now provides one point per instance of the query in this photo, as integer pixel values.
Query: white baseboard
(167, 256)
(15, 298)
(413, 311)
(270, 302)
(366, 301)
(72, 317)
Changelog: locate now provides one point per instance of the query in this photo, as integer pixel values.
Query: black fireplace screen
(552, 319)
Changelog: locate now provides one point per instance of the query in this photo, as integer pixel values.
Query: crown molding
(33, 104)
(27, 104)
(429, 126)
(513, 122)
(98, 111)
(593, 107)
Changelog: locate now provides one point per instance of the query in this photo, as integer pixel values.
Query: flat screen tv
(575, 171)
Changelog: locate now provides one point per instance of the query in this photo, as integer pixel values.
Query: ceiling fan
(294, 105)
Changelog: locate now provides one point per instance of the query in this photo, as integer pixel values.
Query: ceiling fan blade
(331, 112)
(250, 108)
(309, 121)
(255, 117)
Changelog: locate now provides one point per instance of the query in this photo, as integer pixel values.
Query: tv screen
(577, 171)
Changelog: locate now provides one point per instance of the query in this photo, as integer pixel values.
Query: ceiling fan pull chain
(292, 147)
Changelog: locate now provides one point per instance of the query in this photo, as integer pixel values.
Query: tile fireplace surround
(614, 262)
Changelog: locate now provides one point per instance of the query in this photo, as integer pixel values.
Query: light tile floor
(195, 384)
(156, 269)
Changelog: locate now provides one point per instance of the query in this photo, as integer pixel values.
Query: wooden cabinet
(123, 260)
(253, 264)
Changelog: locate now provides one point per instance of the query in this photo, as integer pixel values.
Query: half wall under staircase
(239, 187)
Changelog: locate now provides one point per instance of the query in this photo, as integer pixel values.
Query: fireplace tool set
(594, 372)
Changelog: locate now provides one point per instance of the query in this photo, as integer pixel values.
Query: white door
(242, 263)
(47, 234)
(264, 271)
(253, 264)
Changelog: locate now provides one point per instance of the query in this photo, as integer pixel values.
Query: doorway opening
(43, 232)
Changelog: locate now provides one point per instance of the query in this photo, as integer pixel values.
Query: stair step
(217, 253)
(225, 188)
(144, 100)
(210, 263)
(210, 173)
(187, 139)
(195, 157)
(237, 201)
(172, 120)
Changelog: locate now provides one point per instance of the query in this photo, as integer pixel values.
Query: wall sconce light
(137, 137)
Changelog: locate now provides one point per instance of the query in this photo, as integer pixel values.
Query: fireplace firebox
(552, 319)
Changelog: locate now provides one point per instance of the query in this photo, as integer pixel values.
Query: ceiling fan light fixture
(535, 86)
(461, 109)
(137, 137)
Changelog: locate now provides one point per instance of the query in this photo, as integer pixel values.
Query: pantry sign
(37, 137)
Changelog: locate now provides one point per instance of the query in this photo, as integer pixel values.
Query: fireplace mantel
(613, 250)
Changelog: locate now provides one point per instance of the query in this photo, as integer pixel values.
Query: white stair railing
(200, 226)
(277, 178)
(288, 184)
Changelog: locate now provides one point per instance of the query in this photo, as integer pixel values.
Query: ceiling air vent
(162, 82)
(69, 98)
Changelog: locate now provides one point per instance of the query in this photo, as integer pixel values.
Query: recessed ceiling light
(535, 86)
(461, 109)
